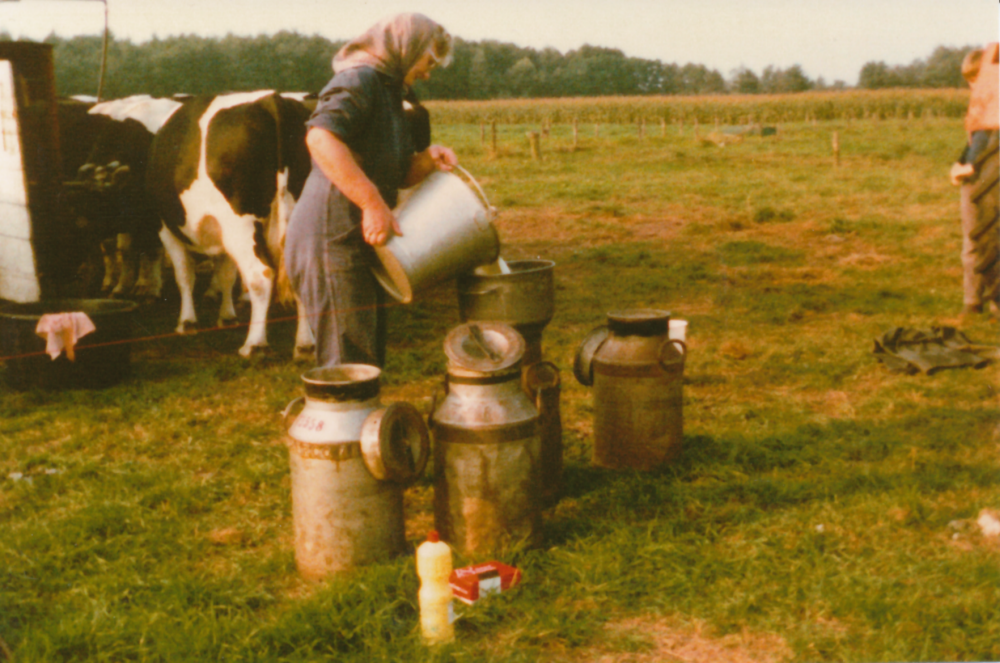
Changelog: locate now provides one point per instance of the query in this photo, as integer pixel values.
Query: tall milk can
(637, 373)
(487, 450)
(524, 298)
(350, 459)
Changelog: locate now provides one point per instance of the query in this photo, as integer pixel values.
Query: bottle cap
(433, 537)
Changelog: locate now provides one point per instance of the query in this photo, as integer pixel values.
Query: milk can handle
(479, 189)
(679, 360)
(287, 411)
(537, 389)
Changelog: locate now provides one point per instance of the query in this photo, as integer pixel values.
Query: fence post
(536, 145)
(493, 132)
(575, 136)
(836, 149)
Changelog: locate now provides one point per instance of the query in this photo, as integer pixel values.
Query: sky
(832, 39)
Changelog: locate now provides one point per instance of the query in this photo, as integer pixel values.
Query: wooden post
(663, 127)
(493, 132)
(836, 149)
(642, 129)
(482, 133)
(576, 136)
(534, 140)
(597, 130)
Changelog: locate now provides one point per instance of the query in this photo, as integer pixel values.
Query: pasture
(823, 508)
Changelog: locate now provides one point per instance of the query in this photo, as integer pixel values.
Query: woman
(363, 153)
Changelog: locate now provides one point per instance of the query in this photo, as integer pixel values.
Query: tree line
(288, 61)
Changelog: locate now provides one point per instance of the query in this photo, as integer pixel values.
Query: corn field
(726, 109)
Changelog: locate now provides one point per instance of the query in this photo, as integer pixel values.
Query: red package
(471, 583)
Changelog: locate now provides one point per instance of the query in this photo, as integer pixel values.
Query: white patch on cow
(152, 113)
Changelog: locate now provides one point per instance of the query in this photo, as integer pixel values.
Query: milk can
(524, 298)
(637, 374)
(350, 458)
(487, 450)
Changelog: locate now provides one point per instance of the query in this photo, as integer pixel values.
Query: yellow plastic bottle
(434, 570)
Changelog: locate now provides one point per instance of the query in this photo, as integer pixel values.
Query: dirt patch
(667, 639)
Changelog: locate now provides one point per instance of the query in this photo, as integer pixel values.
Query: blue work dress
(328, 261)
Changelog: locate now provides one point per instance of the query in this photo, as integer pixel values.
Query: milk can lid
(395, 443)
(639, 321)
(483, 347)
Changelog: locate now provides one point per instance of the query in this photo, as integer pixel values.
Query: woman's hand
(444, 158)
(435, 157)
(378, 224)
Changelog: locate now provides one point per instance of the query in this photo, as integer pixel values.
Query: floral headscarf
(394, 45)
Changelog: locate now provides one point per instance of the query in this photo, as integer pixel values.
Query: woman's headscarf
(394, 45)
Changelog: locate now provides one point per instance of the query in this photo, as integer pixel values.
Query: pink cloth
(62, 331)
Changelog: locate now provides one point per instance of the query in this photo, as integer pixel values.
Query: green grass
(821, 502)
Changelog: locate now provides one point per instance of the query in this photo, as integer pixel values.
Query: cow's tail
(284, 201)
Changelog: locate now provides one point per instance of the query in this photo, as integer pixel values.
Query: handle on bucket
(478, 189)
(434, 400)
(680, 360)
(287, 411)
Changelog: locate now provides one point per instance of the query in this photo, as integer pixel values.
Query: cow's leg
(184, 275)
(257, 277)
(149, 285)
(127, 260)
(305, 344)
(109, 255)
(224, 278)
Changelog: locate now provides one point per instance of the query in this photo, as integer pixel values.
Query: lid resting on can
(395, 443)
(639, 322)
(483, 347)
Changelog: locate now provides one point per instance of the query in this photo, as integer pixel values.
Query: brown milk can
(350, 458)
(524, 298)
(487, 450)
(637, 373)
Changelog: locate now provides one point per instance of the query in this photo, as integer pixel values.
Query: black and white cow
(224, 174)
(108, 195)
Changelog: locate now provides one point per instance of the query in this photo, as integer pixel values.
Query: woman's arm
(337, 162)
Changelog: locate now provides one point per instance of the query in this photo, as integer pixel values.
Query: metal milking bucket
(447, 230)
(350, 458)
(487, 449)
(637, 372)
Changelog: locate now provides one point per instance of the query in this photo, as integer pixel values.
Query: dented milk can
(350, 459)
(523, 297)
(487, 450)
(637, 373)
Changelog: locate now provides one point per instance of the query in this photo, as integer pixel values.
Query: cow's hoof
(228, 322)
(304, 354)
(187, 327)
(253, 350)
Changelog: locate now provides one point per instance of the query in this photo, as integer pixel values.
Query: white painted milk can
(350, 459)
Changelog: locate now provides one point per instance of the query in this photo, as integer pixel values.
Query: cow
(224, 174)
(108, 196)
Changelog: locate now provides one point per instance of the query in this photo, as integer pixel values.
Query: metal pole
(104, 53)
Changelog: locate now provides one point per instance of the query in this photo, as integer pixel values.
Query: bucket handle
(288, 410)
(475, 185)
(680, 360)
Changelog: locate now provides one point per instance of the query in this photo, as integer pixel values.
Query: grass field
(823, 508)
